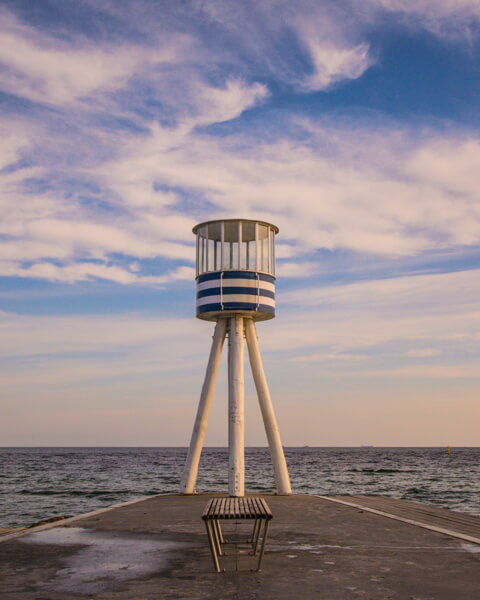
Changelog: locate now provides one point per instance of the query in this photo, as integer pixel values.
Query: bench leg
(262, 550)
(211, 543)
(253, 536)
(257, 530)
(216, 536)
(220, 534)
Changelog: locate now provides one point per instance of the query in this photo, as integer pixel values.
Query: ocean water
(39, 483)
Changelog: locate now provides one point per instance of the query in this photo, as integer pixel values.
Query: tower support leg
(282, 479)
(189, 479)
(236, 408)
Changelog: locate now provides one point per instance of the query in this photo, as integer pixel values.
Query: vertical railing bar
(196, 257)
(256, 247)
(268, 248)
(239, 245)
(222, 241)
(206, 251)
(273, 253)
(263, 255)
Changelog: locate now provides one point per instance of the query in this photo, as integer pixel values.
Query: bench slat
(207, 509)
(237, 508)
(222, 505)
(266, 508)
(258, 510)
(214, 508)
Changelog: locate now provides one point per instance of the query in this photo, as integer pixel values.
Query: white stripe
(213, 283)
(235, 298)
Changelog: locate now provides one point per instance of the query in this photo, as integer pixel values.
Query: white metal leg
(282, 478)
(236, 408)
(189, 479)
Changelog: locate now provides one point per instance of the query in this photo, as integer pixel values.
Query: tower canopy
(235, 268)
(235, 244)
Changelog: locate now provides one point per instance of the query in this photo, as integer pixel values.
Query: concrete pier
(318, 548)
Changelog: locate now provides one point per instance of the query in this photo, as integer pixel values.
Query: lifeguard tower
(235, 288)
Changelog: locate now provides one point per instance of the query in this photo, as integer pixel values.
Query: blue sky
(353, 126)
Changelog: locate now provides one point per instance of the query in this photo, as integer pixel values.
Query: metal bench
(252, 508)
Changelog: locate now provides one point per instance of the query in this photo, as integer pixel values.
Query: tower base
(237, 325)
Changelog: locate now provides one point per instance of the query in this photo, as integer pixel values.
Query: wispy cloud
(325, 358)
(399, 319)
(325, 200)
(422, 371)
(325, 187)
(424, 352)
(334, 64)
(45, 69)
(87, 271)
(346, 199)
(390, 322)
(442, 17)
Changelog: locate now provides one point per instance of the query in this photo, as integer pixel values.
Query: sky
(352, 125)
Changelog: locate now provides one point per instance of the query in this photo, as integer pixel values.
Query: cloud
(334, 64)
(88, 271)
(86, 199)
(168, 65)
(70, 350)
(417, 198)
(390, 322)
(368, 329)
(247, 37)
(423, 371)
(433, 293)
(458, 10)
(452, 21)
(96, 239)
(83, 271)
(43, 69)
(13, 141)
(223, 104)
(321, 357)
(30, 335)
(348, 198)
(424, 352)
(297, 269)
(253, 35)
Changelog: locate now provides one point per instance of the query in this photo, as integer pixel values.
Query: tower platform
(318, 548)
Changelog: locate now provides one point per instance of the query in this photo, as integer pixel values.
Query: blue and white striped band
(236, 290)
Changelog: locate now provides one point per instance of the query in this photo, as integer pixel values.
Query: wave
(83, 493)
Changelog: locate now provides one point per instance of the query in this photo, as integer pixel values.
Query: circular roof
(274, 227)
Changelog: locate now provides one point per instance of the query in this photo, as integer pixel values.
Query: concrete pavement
(157, 548)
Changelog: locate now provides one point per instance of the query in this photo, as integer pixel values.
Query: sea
(41, 483)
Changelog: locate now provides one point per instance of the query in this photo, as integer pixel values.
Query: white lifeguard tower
(235, 288)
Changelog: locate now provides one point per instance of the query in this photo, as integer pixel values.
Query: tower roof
(274, 227)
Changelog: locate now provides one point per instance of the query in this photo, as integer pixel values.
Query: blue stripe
(239, 275)
(235, 306)
(265, 277)
(235, 290)
(235, 275)
(226, 306)
(208, 277)
(268, 309)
